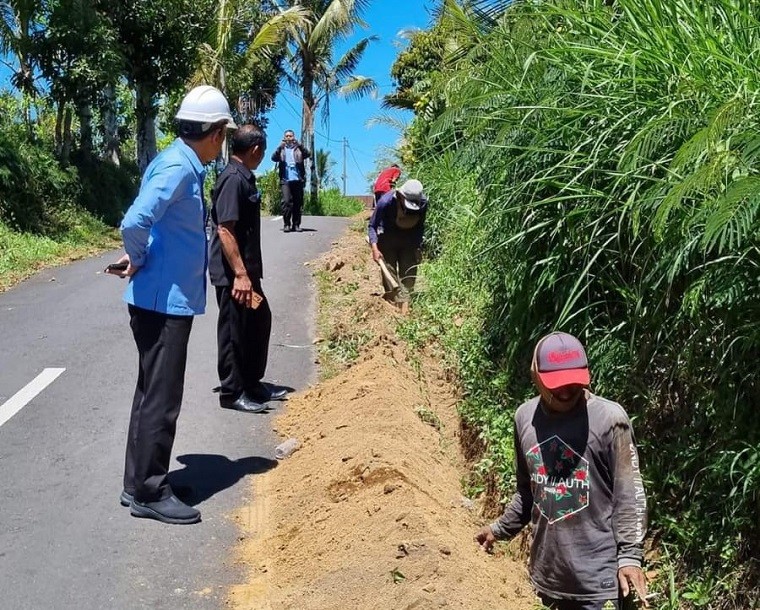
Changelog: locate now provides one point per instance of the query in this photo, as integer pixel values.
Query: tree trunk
(58, 137)
(111, 126)
(66, 143)
(307, 131)
(84, 111)
(145, 113)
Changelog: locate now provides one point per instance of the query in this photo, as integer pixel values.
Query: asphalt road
(65, 542)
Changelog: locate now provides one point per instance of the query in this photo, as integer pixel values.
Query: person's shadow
(205, 474)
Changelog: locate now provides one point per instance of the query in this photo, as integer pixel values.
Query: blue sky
(349, 119)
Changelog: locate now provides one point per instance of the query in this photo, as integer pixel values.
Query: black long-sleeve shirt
(579, 484)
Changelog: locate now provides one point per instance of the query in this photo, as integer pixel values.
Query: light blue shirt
(291, 171)
(164, 233)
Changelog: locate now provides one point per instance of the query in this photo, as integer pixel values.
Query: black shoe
(264, 393)
(242, 403)
(125, 499)
(171, 510)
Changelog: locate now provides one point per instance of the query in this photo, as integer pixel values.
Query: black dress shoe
(125, 499)
(171, 510)
(264, 393)
(242, 403)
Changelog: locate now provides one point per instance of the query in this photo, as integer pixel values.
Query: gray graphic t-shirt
(579, 484)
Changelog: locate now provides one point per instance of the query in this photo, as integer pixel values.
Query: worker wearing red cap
(579, 485)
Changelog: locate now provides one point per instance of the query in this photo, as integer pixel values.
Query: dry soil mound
(369, 512)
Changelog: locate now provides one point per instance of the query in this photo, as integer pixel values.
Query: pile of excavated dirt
(368, 512)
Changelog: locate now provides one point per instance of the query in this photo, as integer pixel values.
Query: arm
(277, 154)
(372, 230)
(517, 513)
(226, 210)
(242, 289)
(630, 510)
(305, 152)
(156, 194)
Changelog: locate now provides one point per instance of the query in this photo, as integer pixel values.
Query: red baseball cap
(561, 360)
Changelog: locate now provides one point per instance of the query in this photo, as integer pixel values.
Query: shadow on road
(206, 474)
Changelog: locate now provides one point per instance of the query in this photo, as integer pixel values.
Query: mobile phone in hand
(117, 267)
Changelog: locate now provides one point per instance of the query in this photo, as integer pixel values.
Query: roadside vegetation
(593, 167)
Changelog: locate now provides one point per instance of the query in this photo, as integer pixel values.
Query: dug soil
(369, 511)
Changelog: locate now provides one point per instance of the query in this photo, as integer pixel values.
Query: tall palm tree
(243, 34)
(17, 22)
(312, 70)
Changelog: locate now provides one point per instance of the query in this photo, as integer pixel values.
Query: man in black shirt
(235, 267)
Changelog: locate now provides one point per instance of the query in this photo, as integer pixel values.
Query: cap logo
(560, 357)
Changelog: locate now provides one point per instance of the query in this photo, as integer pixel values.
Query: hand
(485, 538)
(633, 575)
(242, 290)
(128, 271)
(376, 254)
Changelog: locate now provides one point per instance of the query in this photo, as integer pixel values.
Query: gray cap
(561, 360)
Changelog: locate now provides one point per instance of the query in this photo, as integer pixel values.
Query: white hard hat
(205, 104)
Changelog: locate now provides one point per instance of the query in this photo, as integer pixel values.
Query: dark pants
(401, 257)
(292, 202)
(570, 604)
(243, 342)
(161, 341)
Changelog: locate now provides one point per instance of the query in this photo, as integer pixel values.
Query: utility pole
(345, 144)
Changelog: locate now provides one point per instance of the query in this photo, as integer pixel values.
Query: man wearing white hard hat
(165, 242)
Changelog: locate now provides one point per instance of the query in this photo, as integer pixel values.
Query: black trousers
(161, 341)
(243, 342)
(292, 202)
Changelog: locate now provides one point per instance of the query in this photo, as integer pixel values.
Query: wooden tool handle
(387, 274)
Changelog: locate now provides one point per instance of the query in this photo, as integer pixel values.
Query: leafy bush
(271, 195)
(599, 164)
(332, 203)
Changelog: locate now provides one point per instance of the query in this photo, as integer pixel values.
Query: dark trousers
(161, 341)
(570, 604)
(292, 202)
(243, 342)
(401, 257)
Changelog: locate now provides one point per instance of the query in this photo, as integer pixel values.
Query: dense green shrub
(271, 195)
(332, 203)
(596, 171)
(107, 190)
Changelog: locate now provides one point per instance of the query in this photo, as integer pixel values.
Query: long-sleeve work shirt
(164, 233)
(579, 484)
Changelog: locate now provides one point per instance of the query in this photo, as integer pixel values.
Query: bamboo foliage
(613, 147)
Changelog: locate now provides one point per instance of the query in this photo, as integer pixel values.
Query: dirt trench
(368, 512)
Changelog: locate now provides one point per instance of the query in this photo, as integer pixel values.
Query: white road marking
(274, 218)
(25, 395)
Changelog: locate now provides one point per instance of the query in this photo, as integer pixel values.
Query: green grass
(593, 167)
(23, 254)
(332, 203)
